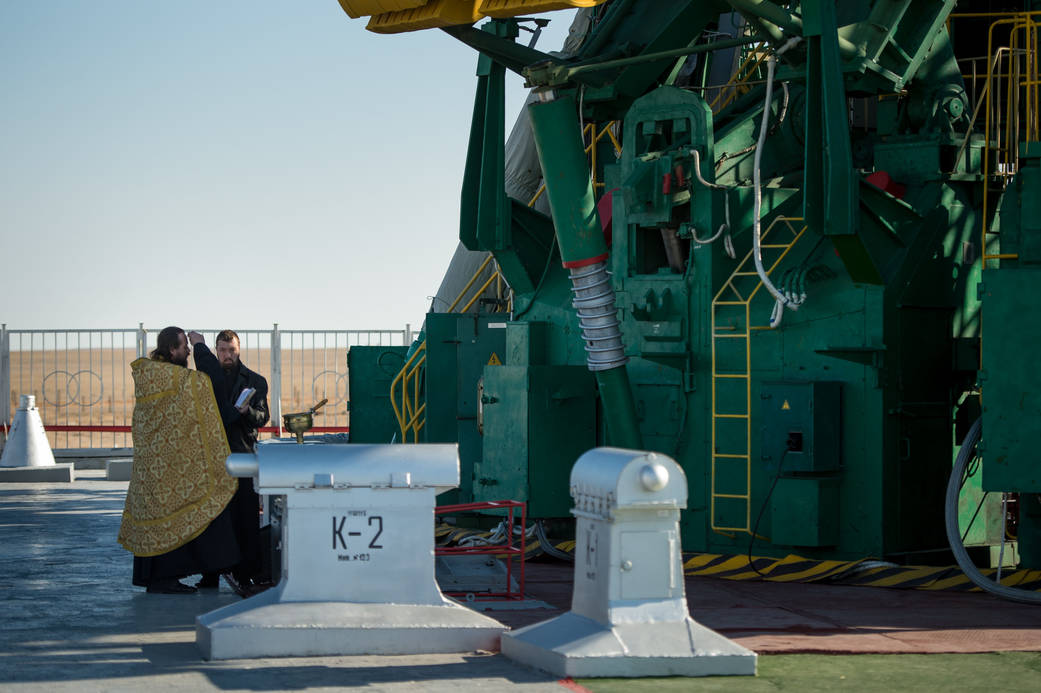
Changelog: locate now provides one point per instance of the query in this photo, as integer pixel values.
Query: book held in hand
(245, 396)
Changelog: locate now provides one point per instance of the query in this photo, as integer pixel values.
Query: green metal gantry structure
(804, 281)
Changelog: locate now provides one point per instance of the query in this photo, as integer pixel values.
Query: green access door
(459, 345)
(536, 421)
(370, 370)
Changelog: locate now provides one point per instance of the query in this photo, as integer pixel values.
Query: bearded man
(176, 520)
(241, 423)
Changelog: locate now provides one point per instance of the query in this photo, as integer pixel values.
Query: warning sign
(785, 406)
(494, 360)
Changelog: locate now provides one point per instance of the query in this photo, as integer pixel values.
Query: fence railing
(85, 393)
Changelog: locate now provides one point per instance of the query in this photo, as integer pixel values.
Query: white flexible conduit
(725, 226)
(950, 512)
(757, 253)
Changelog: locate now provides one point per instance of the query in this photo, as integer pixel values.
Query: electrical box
(800, 426)
(805, 512)
(536, 421)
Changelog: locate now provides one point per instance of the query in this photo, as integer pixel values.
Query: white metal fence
(85, 393)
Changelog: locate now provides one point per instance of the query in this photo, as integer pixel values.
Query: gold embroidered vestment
(179, 483)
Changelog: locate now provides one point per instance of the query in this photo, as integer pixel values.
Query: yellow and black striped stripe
(794, 568)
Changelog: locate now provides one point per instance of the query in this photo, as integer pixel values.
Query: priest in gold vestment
(176, 521)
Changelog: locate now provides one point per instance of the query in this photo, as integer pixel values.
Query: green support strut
(584, 253)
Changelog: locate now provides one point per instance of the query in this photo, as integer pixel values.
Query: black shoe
(244, 586)
(209, 581)
(240, 587)
(169, 586)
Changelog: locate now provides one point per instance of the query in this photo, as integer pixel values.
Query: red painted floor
(775, 618)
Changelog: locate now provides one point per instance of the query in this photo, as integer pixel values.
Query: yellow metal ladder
(731, 483)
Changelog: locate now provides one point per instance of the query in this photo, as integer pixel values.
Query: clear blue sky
(227, 163)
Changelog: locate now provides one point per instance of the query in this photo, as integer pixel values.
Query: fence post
(408, 334)
(275, 387)
(142, 341)
(5, 375)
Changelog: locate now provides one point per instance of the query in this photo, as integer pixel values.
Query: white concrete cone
(27, 444)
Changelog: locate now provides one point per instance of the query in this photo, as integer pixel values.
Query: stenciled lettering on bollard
(629, 610)
(357, 557)
(375, 528)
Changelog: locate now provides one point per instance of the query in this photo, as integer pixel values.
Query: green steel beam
(514, 56)
(556, 74)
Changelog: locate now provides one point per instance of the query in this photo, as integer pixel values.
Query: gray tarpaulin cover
(523, 179)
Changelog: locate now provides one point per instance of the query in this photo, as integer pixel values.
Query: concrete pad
(73, 623)
(757, 619)
(118, 470)
(92, 458)
(262, 626)
(61, 473)
(572, 645)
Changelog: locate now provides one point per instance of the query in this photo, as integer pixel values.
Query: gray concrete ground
(73, 621)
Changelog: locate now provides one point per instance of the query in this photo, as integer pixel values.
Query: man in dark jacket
(241, 421)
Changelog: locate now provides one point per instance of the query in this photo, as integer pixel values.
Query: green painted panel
(804, 512)
(371, 369)
(537, 421)
(458, 347)
(562, 426)
(502, 472)
(1011, 391)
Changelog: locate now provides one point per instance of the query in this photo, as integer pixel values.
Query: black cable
(538, 287)
(985, 493)
(762, 509)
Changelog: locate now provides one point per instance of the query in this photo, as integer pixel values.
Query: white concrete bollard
(27, 455)
(629, 612)
(357, 558)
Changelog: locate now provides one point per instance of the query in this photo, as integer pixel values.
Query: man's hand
(244, 408)
(195, 338)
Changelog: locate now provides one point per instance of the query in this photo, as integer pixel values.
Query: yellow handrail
(1021, 80)
(739, 81)
(410, 415)
(1012, 74)
(469, 284)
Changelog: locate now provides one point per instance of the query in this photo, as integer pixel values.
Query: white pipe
(757, 252)
(713, 186)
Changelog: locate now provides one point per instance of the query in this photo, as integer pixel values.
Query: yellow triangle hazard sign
(494, 360)
(785, 406)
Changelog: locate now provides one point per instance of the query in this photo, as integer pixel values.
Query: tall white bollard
(629, 612)
(357, 558)
(27, 454)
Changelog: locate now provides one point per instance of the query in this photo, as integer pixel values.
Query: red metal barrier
(507, 549)
(87, 429)
(126, 429)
